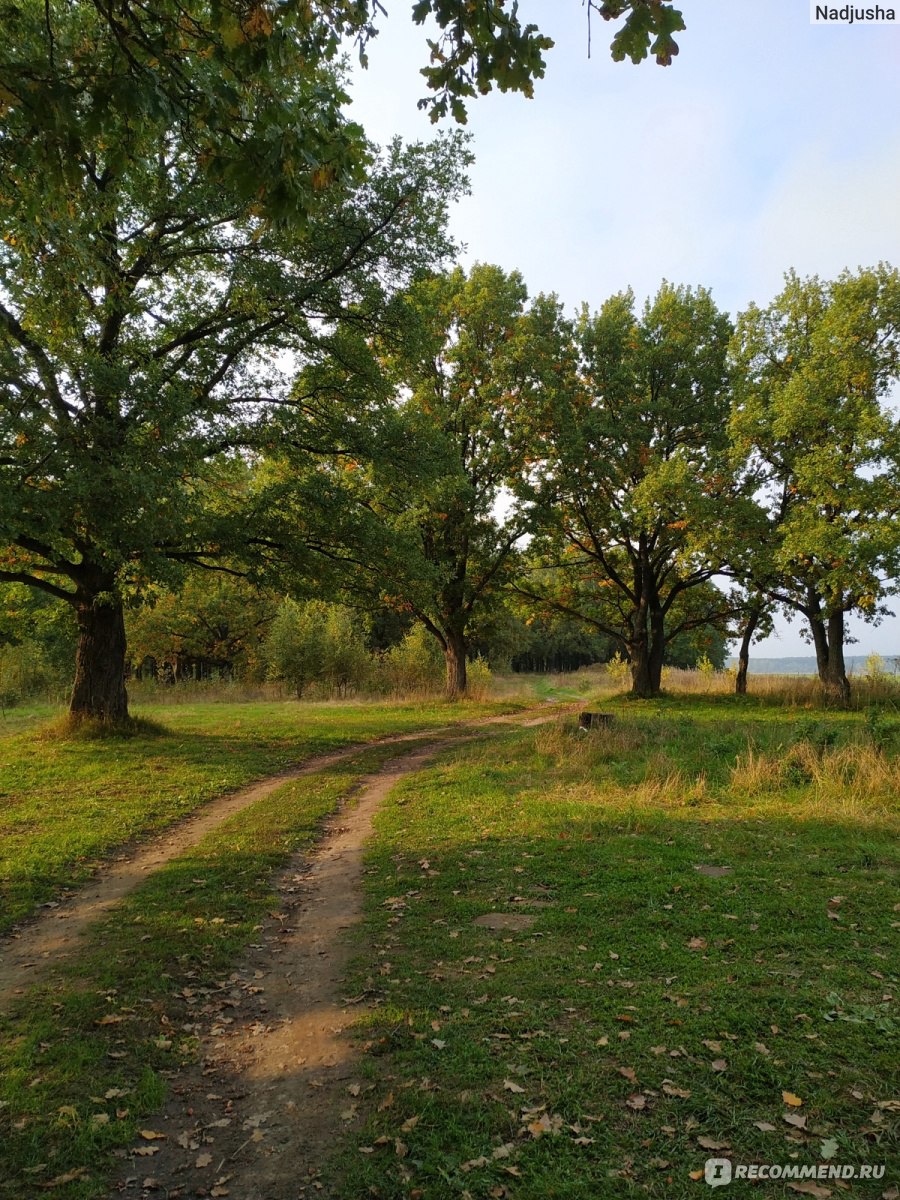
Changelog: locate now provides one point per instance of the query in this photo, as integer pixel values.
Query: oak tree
(633, 470)
(818, 443)
(151, 314)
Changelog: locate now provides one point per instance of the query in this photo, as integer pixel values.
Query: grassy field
(709, 967)
(84, 1061)
(66, 803)
(701, 959)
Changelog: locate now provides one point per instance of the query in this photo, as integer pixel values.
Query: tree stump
(594, 720)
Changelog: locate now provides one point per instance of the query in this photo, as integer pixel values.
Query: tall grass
(793, 691)
(853, 778)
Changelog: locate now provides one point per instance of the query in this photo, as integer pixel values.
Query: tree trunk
(646, 650)
(828, 639)
(820, 641)
(657, 649)
(98, 693)
(740, 682)
(837, 685)
(455, 659)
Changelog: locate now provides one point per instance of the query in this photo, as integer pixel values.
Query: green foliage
(416, 664)
(215, 623)
(148, 295)
(813, 372)
(405, 516)
(316, 642)
(26, 673)
(294, 648)
(631, 440)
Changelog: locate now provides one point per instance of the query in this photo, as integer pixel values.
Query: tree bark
(99, 690)
(740, 682)
(828, 639)
(455, 660)
(646, 651)
(837, 685)
(657, 648)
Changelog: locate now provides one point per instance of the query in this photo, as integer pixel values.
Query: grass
(67, 802)
(649, 1013)
(82, 1062)
(653, 1015)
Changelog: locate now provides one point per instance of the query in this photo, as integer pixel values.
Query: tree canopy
(146, 309)
(631, 469)
(812, 372)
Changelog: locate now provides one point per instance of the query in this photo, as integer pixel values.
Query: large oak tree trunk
(646, 651)
(455, 660)
(828, 639)
(740, 682)
(657, 649)
(99, 690)
(837, 685)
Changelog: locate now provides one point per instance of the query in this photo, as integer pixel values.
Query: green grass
(120, 1020)
(639, 974)
(67, 802)
(636, 962)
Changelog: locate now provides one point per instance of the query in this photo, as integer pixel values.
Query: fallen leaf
(68, 1177)
(765, 1126)
(100, 1118)
(829, 1148)
(791, 1099)
(709, 1143)
(808, 1188)
(719, 1064)
(510, 1086)
(203, 1160)
(438, 1043)
(795, 1119)
(628, 1073)
(409, 1124)
(697, 943)
(474, 1164)
(671, 1090)
(545, 1124)
(637, 1101)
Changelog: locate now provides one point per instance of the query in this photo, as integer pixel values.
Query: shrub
(415, 665)
(25, 674)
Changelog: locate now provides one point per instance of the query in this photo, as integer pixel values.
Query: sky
(770, 143)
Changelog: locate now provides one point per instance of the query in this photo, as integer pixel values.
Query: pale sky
(769, 143)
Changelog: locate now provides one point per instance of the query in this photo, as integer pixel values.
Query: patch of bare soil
(263, 1108)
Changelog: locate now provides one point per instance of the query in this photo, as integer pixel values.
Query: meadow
(589, 962)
